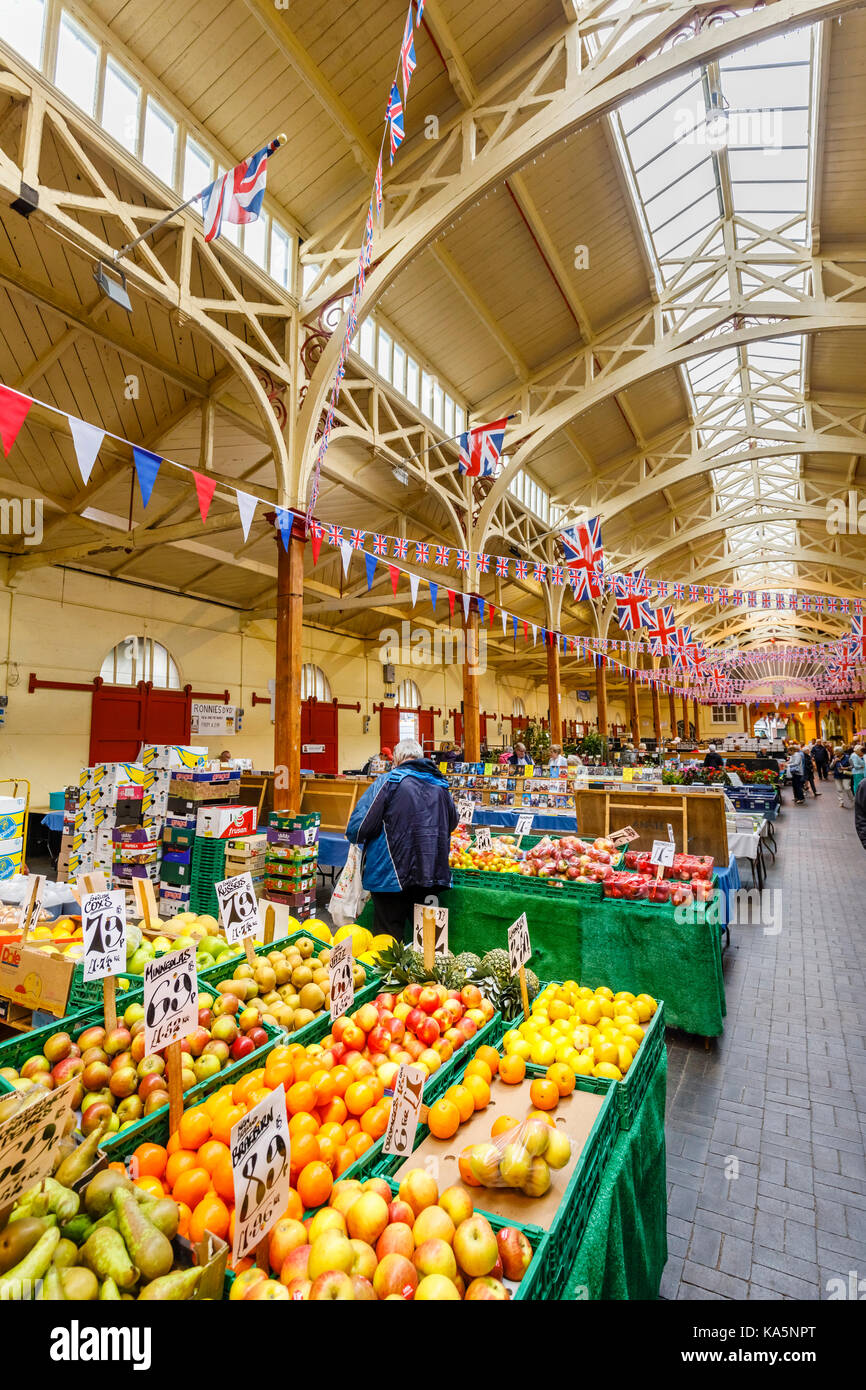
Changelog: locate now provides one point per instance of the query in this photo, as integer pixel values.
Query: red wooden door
(458, 730)
(117, 723)
(319, 726)
(167, 716)
(425, 730)
(389, 728)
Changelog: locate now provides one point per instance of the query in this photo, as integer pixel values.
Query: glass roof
(714, 171)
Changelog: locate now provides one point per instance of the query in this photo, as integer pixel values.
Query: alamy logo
(846, 516)
(442, 647)
(77, 1343)
(759, 128)
(22, 516)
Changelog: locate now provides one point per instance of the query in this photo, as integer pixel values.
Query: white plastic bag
(348, 898)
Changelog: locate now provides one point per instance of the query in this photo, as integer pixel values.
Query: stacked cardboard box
(292, 862)
(12, 812)
(110, 797)
(247, 854)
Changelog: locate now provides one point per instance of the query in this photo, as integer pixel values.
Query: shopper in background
(821, 759)
(556, 755)
(841, 772)
(518, 757)
(404, 823)
(573, 760)
(379, 763)
(809, 769)
(858, 766)
(714, 760)
(860, 812)
(797, 769)
(627, 756)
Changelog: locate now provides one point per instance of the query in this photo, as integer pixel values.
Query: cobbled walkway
(765, 1131)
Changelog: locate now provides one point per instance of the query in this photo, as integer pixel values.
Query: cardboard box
(163, 756)
(248, 844)
(179, 837)
(175, 874)
(225, 822)
(34, 980)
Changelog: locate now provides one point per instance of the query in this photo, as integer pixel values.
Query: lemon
(606, 1025)
(361, 938)
(633, 1030)
(521, 1048)
(382, 942)
(511, 1036)
(313, 927)
(623, 997)
(580, 1036)
(573, 1059)
(583, 1067)
(607, 1008)
(543, 1054)
(590, 1011)
(564, 1050)
(604, 992)
(606, 1052)
(608, 1070)
(649, 1001)
(622, 1018)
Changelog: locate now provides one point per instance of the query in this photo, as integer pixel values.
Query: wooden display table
(334, 798)
(697, 818)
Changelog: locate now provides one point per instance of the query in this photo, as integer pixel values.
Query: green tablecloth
(624, 1247)
(635, 946)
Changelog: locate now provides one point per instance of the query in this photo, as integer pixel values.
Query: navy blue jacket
(404, 821)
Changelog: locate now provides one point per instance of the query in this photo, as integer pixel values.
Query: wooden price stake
(430, 932)
(96, 883)
(428, 937)
(270, 924)
(145, 904)
(520, 951)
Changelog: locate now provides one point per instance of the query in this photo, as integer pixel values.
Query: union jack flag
(723, 597)
(463, 559)
(481, 449)
(631, 585)
(419, 10)
(482, 563)
(780, 600)
(443, 555)
(317, 529)
(840, 667)
(696, 656)
(679, 592)
(408, 61)
(367, 252)
(422, 553)
(502, 566)
(844, 605)
(401, 548)
(556, 574)
(751, 597)
(737, 598)
(520, 568)
(584, 555)
(678, 646)
(394, 118)
(633, 610)
(539, 572)
(236, 196)
(765, 601)
(709, 593)
(661, 630)
(358, 538)
(662, 588)
(377, 188)
(380, 545)
(334, 535)
(857, 640)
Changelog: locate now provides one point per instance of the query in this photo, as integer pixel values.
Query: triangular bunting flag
(492, 612)
(283, 524)
(370, 562)
(514, 625)
(480, 606)
(205, 488)
(246, 510)
(395, 576)
(147, 467)
(451, 597)
(526, 632)
(504, 616)
(534, 634)
(434, 590)
(87, 440)
(414, 581)
(13, 413)
(346, 552)
(467, 602)
(317, 535)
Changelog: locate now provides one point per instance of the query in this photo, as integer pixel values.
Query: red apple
(242, 1047)
(515, 1252)
(401, 1212)
(379, 1039)
(428, 1032)
(486, 1288)
(396, 1274)
(397, 1028)
(411, 994)
(429, 1000)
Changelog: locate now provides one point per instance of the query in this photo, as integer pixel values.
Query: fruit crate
(565, 888)
(87, 994)
(208, 868)
(212, 974)
(15, 1051)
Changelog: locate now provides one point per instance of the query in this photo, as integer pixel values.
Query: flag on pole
(236, 196)
(481, 449)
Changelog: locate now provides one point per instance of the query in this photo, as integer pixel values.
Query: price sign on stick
(103, 928)
(483, 838)
(663, 852)
(261, 1153)
(465, 810)
(624, 836)
(170, 999)
(671, 833)
(405, 1110)
(519, 947)
(342, 982)
(28, 1141)
(440, 939)
(524, 824)
(239, 910)
(32, 905)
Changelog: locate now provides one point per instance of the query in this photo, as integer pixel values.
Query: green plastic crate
(87, 994)
(15, 1051)
(526, 883)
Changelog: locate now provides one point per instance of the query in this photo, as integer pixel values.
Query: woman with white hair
(404, 822)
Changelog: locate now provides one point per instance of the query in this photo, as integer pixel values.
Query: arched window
(408, 695)
(140, 659)
(314, 684)
(518, 708)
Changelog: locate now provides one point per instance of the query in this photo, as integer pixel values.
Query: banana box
(164, 756)
(12, 812)
(34, 980)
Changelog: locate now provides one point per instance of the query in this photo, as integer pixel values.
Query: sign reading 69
(170, 999)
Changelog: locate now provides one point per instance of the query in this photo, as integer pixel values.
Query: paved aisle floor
(780, 1099)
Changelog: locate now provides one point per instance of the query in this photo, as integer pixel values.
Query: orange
(222, 1129)
(478, 1068)
(173, 1142)
(512, 1069)
(300, 1096)
(544, 1094)
(359, 1097)
(211, 1214)
(152, 1186)
(242, 1090)
(210, 1153)
(323, 1084)
(222, 1178)
(488, 1055)
(305, 1150)
(341, 1077)
(378, 1086)
(466, 1173)
(183, 1217)
(375, 1120)
(302, 1122)
(194, 1128)
(345, 1159)
(480, 1089)
(351, 1126)
(279, 1074)
(314, 1184)
(191, 1186)
(304, 1068)
(149, 1160)
(178, 1163)
(257, 1096)
(335, 1111)
(294, 1206)
(443, 1119)
(331, 1130)
(503, 1125)
(562, 1077)
(462, 1097)
(328, 1151)
(360, 1143)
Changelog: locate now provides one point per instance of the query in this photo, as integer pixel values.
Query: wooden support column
(633, 718)
(471, 711)
(685, 716)
(657, 709)
(601, 699)
(554, 694)
(672, 707)
(289, 661)
(817, 718)
(696, 708)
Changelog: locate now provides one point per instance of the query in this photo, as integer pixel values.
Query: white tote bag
(348, 898)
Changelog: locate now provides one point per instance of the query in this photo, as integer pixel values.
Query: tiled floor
(765, 1131)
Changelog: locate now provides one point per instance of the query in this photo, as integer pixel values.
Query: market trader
(714, 760)
(404, 823)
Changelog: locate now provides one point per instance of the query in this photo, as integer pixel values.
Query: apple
(453, 1007)
(363, 1289)
(435, 1257)
(117, 1040)
(40, 1063)
(136, 1048)
(365, 1259)
(419, 1189)
(91, 1037)
(206, 1066)
(124, 1082)
(325, 1219)
(467, 1028)
(130, 1109)
(558, 1150)
(197, 1041)
(121, 1059)
(155, 1101)
(68, 1067)
(411, 995)
(396, 1027)
(456, 1202)
(538, 1180)
(57, 1047)
(475, 1246)
(414, 1019)
(396, 1239)
(152, 1064)
(95, 1076)
(388, 1073)
(266, 1290)
(367, 1218)
(428, 1032)
(402, 1212)
(402, 1011)
(515, 1252)
(429, 1000)
(259, 1038)
(286, 1236)
(224, 1029)
(226, 1004)
(433, 1224)
(152, 1081)
(477, 1017)
(330, 1252)
(484, 1289)
(395, 1275)
(332, 1285)
(242, 1047)
(414, 1048)
(379, 1039)
(487, 1009)
(378, 1185)
(387, 1002)
(295, 1264)
(536, 1136)
(344, 1194)
(470, 995)
(366, 1017)
(437, 1288)
(515, 1164)
(100, 1113)
(354, 1038)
